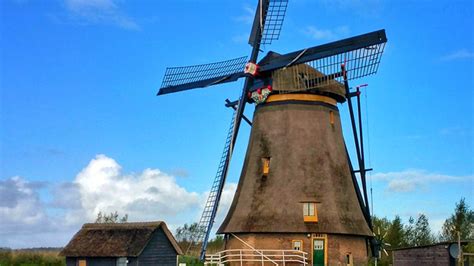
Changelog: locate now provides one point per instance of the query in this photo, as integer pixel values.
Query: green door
(318, 252)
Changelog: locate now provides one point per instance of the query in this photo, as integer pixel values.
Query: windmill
(315, 77)
(380, 244)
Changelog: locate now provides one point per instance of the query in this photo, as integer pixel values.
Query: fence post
(241, 262)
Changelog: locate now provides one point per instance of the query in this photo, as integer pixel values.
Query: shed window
(122, 261)
(309, 212)
(265, 166)
(297, 245)
(82, 263)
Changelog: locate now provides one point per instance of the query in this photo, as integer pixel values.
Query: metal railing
(258, 257)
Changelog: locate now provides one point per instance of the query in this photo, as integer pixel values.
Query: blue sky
(81, 129)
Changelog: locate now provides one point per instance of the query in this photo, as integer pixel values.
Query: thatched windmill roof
(115, 239)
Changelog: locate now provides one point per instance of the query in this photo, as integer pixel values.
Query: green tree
(186, 234)
(381, 225)
(423, 234)
(381, 228)
(215, 245)
(418, 233)
(396, 233)
(461, 221)
(113, 217)
(409, 236)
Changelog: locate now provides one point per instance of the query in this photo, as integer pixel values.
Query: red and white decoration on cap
(261, 94)
(251, 68)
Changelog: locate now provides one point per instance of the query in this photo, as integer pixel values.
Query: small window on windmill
(349, 259)
(265, 166)
(297, 245)
(331, 117)
(310, 213)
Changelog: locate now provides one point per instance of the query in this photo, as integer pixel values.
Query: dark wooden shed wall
(92, 261)
(159, 251)
(437, 255)
(99, 261)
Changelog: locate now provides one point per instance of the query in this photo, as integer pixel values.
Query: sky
(82, 130)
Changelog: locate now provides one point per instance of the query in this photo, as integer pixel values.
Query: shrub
(190, 260)
(5, 257)
(22, 258)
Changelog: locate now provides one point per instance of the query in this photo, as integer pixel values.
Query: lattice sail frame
(327, 71)
(273, 21)
(175, 76)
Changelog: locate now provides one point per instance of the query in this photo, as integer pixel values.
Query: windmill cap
(296, 78)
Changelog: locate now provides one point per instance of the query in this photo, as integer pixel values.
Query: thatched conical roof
(308, 163)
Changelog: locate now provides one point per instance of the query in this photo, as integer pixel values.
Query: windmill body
(298, 137)
(298, 190)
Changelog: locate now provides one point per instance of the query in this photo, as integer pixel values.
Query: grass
(31, 258)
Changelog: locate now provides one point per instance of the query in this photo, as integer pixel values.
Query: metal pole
(362, 165)
(235, 108)
(356, 141)
(460, 249)
(361, 137)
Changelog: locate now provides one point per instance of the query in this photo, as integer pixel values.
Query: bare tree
(113, 217)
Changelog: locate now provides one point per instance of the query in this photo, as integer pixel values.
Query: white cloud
(148, 195)
(411, 180)
(19, 204)
(240, 38)
(326, 34)
(23, 216)
(26, 220)
(458, 55)
(247, 15)
(437, 225)
(179, 172)
(401, 185)
(455, 131)
(226, 201)
(99, 12)
(364, 8)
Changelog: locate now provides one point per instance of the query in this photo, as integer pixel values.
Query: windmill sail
(197, 76)
(269, 27)
(212, 203)
(362, 52)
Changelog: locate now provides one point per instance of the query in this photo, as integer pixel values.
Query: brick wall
(338, 246)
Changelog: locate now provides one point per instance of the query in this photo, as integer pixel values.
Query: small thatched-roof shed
(148, 243)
